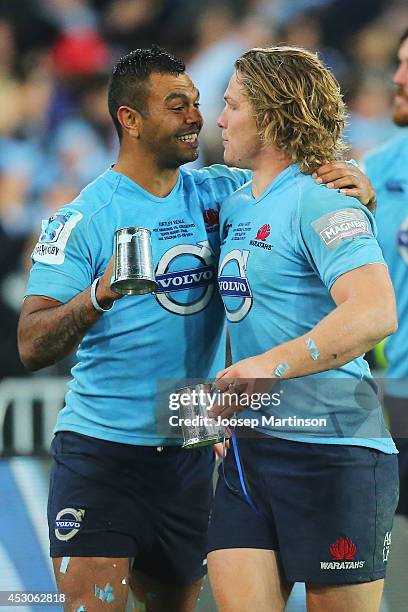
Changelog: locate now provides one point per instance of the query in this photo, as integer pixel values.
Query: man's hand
(252, 375)
(349, 180)
(104, 294)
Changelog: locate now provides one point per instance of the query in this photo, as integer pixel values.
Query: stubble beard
(400, 112)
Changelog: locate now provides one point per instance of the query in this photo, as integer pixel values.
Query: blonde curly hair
(297, 103)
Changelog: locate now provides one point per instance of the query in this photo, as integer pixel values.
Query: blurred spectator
(71, 15)
(33, 29)
(81, 53)
(372, 49)
(342, 19)
(170, 23)
(305, 31)
(84, 145)
(369, 122)
(10, 251)
(222, 36)
(282, 12)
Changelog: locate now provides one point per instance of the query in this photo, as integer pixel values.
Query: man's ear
(130, 120)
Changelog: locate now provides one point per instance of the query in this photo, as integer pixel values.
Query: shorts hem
(359, 579)
(227, 545)
(172, 580)
(57, 552)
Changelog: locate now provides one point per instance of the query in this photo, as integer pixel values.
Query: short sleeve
(337, 235)
(62, 264)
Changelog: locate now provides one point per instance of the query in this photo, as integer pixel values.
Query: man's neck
(145, 172)
(266, 167)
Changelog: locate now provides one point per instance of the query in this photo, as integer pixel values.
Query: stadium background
(56, 136)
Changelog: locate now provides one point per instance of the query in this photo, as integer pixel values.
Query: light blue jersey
(280, 255)
(176, 334)
(387, 169)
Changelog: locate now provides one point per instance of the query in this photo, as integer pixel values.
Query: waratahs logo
(343, 553)
(211, 217)
(261, 236)
(402, 240)
(263, 232)
(172, 281)
(343, 548)
(234, 287)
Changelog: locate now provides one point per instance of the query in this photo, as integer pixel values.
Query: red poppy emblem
(263, 232)
(343, 549)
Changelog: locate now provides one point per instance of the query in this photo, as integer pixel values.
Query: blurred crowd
(55, 59)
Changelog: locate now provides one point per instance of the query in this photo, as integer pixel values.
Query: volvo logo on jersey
(234, 286)
(193, 285)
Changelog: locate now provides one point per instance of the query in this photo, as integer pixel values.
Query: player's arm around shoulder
(60, 308)
(349, 179)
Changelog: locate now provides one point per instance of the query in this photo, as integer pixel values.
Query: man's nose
(401, 75)
(194, 116)
(220, 120)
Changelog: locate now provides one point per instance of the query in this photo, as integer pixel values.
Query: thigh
(179, 508)
(247, 579)
(95, 583)
(365, 597)
(153, 595)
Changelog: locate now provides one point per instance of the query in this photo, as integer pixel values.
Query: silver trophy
(197, 427)
(133, 262)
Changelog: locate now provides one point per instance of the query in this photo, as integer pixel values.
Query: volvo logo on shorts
(235, 286)
(170, 282)
(67, 523)
(402, 240)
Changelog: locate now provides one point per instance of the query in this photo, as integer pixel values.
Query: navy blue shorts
(118, 500)
(328, 509)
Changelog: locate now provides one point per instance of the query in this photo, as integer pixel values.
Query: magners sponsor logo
(345, 224)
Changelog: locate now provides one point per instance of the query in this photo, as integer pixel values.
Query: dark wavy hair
(129, 83)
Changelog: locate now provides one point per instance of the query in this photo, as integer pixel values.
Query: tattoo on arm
(70, 331)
